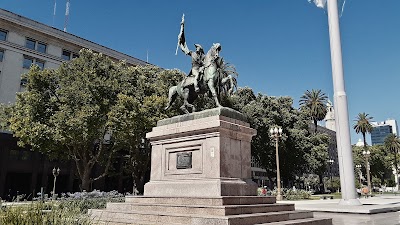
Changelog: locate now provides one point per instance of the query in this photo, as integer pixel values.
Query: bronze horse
(217, 77)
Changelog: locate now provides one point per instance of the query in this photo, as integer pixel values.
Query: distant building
(331, 170)
(24, 42)
(330, 117)
(259, 174)
(381, 130)
(360, 143)
(330, 129)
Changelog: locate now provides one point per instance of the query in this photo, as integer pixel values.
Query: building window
(3, 35)
(41, 47)
(35, 45)
(67, 55)
(30, 43)
(28, 61)
(20, 155)
(40, 64)
(1, 55)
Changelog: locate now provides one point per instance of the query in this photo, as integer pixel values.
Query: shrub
(70, 209)
(38, 213)
(298, 194)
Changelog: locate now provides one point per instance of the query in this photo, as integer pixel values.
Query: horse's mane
(210, 56)
(224, 70)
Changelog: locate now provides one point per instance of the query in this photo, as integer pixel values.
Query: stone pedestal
(214, 144)
(201, 175)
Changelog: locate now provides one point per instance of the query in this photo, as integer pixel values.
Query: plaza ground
(391, 218)
(356, 215)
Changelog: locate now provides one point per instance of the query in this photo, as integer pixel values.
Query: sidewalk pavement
(391, 218)
(379, 210)
(372, 205)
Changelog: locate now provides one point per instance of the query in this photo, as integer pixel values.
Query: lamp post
(358, 166)
(56, 172)
(331, 161)
(366, 155)
(276, 133)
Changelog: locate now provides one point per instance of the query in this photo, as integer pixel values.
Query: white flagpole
(54, 11)
(345, 156)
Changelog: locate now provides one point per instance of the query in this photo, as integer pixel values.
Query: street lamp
(56, 172)
(366, 155)
(359, 173)
(276, 133)
(331, 161)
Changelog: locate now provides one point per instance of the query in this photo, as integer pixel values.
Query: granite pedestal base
(227, 210)
(201, 174)
(216, 144)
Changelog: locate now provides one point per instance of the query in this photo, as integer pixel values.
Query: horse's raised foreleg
(172, 94)
(231, 86)
(210, 84)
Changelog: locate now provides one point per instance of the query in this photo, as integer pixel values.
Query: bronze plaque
(184, 160)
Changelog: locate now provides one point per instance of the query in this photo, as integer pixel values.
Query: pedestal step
(195, 219)
(130, 222)
(200, 209)
(307, 221)
(210, 201)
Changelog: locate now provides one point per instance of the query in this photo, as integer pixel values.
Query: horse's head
(216, 48)
(213, 53)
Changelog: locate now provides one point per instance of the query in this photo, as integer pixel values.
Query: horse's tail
(173, 93)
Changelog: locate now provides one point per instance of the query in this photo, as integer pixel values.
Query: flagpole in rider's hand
(180, 33)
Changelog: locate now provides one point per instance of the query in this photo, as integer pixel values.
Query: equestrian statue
(209, 75)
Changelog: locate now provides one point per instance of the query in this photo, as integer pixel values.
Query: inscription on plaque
(184, 160)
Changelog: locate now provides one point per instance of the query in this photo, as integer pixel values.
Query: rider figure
(197, 57)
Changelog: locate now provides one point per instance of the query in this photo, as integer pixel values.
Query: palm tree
(392, 143)
(363, 125)
(314, 102)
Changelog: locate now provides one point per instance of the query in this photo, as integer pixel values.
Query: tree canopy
(363, 125)
(379, 160)
(93, 109)
(392, 145)
(70, 112)
(300, 151)
(314, 104)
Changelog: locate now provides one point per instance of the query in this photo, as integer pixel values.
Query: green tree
(392, 144)
(379, 160)
(376, 182)
(137, 112)
(71, 112)
(296, 145)
(63, 112)
(363, 125)
(332, 184)
(314, 103)
(317, 155)
(5, 115)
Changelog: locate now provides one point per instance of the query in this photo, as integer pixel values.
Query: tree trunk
(365, 141)
(395, 170)
(315, 126)
(86, 179)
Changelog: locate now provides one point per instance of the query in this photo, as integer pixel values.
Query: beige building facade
(24, 41)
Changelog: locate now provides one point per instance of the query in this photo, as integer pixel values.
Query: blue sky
(280, 48)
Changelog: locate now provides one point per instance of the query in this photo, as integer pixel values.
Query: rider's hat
(199, 46)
